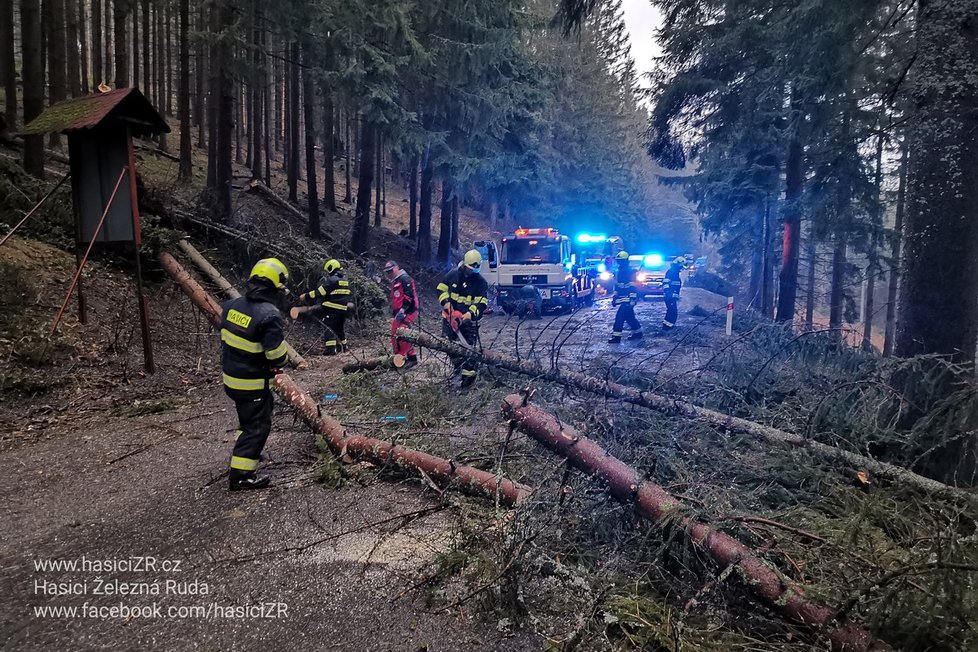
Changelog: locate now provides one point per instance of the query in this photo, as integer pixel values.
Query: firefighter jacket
(333, 293)
(625, 291)
(252, 340)
(464, 292)
(672, 283)
(404, 295)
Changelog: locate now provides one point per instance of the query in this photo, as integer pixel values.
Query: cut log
(368, 365)
(895, 474)
(349, 447)
(222, 283)
(655, 503)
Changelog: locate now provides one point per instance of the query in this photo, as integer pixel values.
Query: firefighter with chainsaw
(253, 351)
(671, 285)
(626, 296)
(335, 302)
(463, 297)
(404, 308)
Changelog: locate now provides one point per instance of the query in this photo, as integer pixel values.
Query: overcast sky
(641, 20)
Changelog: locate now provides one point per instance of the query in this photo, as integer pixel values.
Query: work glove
(466, 316)
(446, 312)
(400, 315)
(303, 296)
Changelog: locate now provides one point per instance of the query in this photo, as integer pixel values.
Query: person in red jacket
(404, 308)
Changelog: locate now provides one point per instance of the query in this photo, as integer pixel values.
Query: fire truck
(597, 253)
(536, 263)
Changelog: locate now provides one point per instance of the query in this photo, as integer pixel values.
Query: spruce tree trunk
(98, 66)
(794, 178)
(84, 42)
(329, 149)
(872, 268)
(57, 84)
(293, 117)
(896, 239)
(380, 179)
(445, 233)
(72, 56)
(168, 60)
(107, 42)
(837, 293)
(427, 190)
(939, 302)
(120, 15)
(238, 125)
(135, 43)
(7, 66)
(812, 261)
(200, 77)
(348, 193)
(361, 221)
(455, 208)
(767, 275)
(279, 81)
(308, 106)
(33, 73)
(257, 88)
(160, 64)
(413, 198)
(147, 63)
(186, 153)
(224, 115)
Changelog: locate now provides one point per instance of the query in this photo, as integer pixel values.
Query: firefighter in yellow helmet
(626, 296)
(253, 350)
(334, 296)
(463, 298)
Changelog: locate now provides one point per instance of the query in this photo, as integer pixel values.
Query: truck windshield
(531, 250)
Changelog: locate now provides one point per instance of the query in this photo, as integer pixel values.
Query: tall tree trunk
(767, 263)
(120, 15)
(186, 152)
(108, 42)
(57, 84)
(293, 126)
(83, 41)
(361, 221)
(329, 147)
(794, 178)
(837, 296)
(200, 74)
(413, 198)
(872, 267)
(135, 42)
(267, 115)
(348, 193)
(812, 262)
(224, 115)
(939, 303)
(493, 215)
(455, 208)
(7, 66)
(309, 109)
(380, 178)
(72, 56)
(427, 189)
(445, 233)
(238, 125)
(257, 88)
(896, 240)
(279, 80)
(147, 65)
(755, 290)
(98, 65)
(160, 61)
(33, 72)
(168, 61)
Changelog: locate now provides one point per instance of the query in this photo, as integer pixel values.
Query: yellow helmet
(680, 260)
(271, 269)
(332, 265)
(621, 255)
(472, 260)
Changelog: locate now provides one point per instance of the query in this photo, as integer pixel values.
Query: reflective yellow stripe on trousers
(243, 463)
(245, 384)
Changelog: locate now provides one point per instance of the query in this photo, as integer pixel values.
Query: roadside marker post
(730, 302)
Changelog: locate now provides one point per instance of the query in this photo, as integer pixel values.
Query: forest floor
(106, 462)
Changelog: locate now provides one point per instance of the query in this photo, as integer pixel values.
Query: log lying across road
(655, 503)
(346, 446)
(232, 292)
(667, 405)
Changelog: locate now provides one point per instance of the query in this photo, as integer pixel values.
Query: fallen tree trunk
(655, 503)
(368, 365)
(211, 272)
(268, 194)
(673, 406)
(465, 478)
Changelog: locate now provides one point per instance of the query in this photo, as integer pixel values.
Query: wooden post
(148, 363)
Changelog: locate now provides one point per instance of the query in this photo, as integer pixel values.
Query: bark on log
(655, 503)
(660, 403)
(214, 275)
(464, 478)
(368, 365)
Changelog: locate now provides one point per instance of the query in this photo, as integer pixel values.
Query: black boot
(246, 481)
(410, 361)
(467, 381)
(615, 339)
(637, 335)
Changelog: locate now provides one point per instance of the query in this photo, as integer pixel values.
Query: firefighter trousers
(466, 363)
(625, 315)
(402, 347)
(254, 423)
(335, 334)
(672, 311)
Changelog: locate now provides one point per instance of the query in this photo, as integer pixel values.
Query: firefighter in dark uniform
(626, 296)
(335, 298)
(463, 297)
(671, 285)
(253, 350)
(404, 310)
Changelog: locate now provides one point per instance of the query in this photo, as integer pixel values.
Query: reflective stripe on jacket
(252, 343)
(464, 292)
(625, 291)
(333, 293)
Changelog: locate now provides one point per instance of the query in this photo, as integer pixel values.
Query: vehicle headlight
(606, 276)
(642, 278)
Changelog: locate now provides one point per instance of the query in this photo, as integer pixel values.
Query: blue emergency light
(584, 238)
(653, 260)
